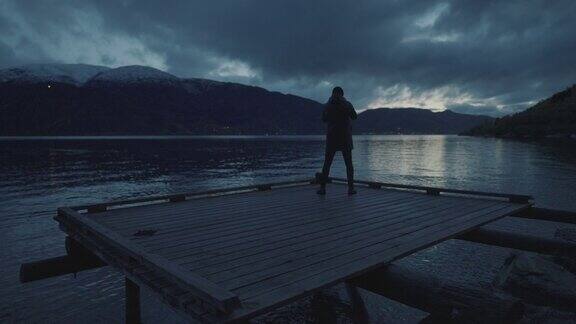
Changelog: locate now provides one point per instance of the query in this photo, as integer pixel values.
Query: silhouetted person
(337, 115)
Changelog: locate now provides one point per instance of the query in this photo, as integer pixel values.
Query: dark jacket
(337, 115)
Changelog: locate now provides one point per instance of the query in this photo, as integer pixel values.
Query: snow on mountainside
(134, 74)
(81, 74)
(66, 73)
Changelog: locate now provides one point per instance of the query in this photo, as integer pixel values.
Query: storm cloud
(490, 57)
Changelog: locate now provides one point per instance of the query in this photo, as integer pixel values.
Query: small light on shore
(49, 86)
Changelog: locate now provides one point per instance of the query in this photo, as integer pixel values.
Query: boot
(351, 190)
(320, 178)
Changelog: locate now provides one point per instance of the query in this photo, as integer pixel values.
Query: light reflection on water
(39, 175)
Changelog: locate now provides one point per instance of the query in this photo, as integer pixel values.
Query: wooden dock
(230, 255)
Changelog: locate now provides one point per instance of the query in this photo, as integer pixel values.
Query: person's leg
(328, 158)
(347, 154)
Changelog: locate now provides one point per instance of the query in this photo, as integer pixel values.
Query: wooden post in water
(359, 311)
(133, 315)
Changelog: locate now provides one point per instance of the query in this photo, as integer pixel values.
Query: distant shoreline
(101, 137)
(526, 138)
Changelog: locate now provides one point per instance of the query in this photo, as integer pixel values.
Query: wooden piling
(57, 266)
(552, 215)
(359, 311)
(133, 314)
(77, 259)
(520, 241)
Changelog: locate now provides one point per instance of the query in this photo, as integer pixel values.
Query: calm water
(38, 175)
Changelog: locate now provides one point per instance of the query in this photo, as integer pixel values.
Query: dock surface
(234, 256)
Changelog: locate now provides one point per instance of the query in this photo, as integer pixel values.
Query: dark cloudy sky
(477, 56)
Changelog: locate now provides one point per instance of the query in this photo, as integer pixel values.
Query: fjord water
(37, 175)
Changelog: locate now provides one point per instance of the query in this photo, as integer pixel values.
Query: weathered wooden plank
(348, 267)
(264, 217)
(258, 249)
(211, 293)
(190, 194)
(304, 223)
(285, 214)
(170, 219)
(329, 251)
(229, 200)
(149, 212)
(321, 243)
(168, 229)
(217, 217)
(423, 231)
(250, 251)
(277, 233)
(317, 215)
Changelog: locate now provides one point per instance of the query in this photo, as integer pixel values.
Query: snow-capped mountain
(91, 100)
(81, 74)
(124, 101)
(133, 74)
(66, 73)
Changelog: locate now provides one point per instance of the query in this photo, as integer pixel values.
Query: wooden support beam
(552, 215)
(520, 241)
(55, 267)
(78, 259)
(133, 314)
(423, 291)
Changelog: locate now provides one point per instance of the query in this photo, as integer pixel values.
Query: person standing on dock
(337, 114)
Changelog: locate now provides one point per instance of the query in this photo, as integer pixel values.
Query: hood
(336, 99)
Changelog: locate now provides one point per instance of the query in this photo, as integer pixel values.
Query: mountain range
(552, 117)
(79, 99)
(416, 121)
